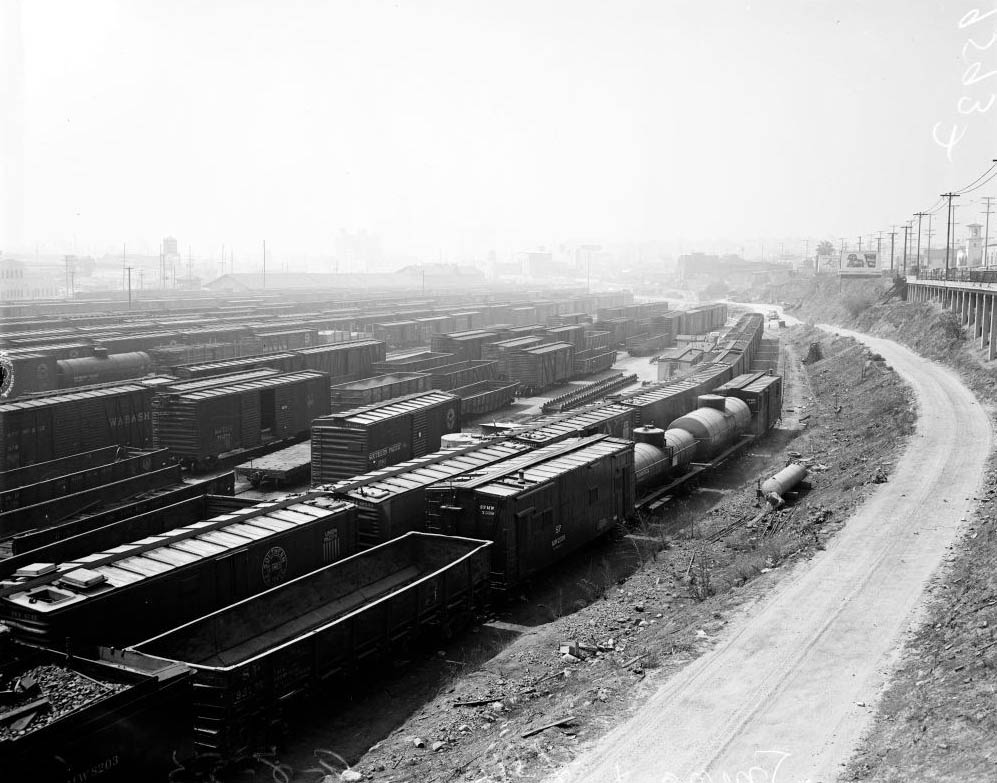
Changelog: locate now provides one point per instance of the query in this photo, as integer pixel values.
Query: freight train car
(412, 361)
(102, 367)
(39, 429)
(391, 501)
(463, 346)
(483, 397)
(615, 420)
(536, 514)
(763, 394)
(282, 362)
(201, 426)
(354, 442)
(250, 658)
(136, 590)
(349, 361)
(97, 719)
(379, 388)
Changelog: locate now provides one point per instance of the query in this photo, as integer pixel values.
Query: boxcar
(130, 592)
(391, 501)
(39, 429)
(412, 361)
(763, 394)
(539, 513)
(378, 388)
(477, 399)
(463, 346)
(615, 420)
(251, 657)
(349, 361)
(201, 425)
(354, 442)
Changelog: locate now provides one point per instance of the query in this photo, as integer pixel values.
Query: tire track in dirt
(788, 691)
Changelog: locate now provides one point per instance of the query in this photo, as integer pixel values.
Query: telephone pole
(264, 263)
(930, 234)
(893, 235)
(123, 262)
(841, 255)
(129, 286)
(986, 234)
(879, 251)
(948, 229)
(906, 227)
(919, 215)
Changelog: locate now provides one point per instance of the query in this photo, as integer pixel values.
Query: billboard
(859, 262)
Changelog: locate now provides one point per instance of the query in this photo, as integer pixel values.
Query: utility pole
(264, 263)
(927, 252)
(129, 287)
(841, 255)
(919, 216)
(948, 230)
(879, 251)
(893, 235)
(906, 227)
(860, 243)
(123, 256)
(66, 258)
(986, 234)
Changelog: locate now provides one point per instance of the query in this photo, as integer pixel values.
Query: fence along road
(779, 696)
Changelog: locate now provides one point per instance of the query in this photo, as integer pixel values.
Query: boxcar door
(232, 577)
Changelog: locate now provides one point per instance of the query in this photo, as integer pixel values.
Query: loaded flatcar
(538, 513)
(136, 590)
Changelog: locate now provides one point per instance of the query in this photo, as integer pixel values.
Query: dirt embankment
(692, 565)
(936, 720)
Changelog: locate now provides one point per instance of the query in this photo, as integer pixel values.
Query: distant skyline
(456, 128)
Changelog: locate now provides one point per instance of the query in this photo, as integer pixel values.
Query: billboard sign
(859, 262)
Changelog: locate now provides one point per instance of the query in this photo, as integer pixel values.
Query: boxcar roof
(279, 379)
(514, 482)
(581, 421)
(41, 402)
(130, 563)
(338, 346)
(386, 487)
(369, 414)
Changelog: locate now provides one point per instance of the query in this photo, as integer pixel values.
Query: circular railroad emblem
(6, 376)
(451, 418)
(274, 566)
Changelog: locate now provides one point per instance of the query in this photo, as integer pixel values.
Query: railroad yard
(342, 557)
(282, 497)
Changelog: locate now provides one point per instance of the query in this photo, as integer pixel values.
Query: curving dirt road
(785, 695)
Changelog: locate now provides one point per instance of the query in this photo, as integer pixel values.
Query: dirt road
(787, 691)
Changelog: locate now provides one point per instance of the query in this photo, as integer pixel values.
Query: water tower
(974, 245)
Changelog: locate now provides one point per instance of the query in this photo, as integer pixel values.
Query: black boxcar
(130, 592)
(200, 425)
(39, 429)
(252, 657)
(349, 361)
(538, 513)
(354, 442)
(391, 501)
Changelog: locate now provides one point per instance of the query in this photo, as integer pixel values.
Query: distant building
(20, 281)
(171, 247)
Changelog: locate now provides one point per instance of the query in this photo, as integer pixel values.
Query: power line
(948, 230)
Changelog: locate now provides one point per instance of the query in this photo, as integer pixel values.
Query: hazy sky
(468, 125)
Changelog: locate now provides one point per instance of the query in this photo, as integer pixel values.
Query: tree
(825, 248)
